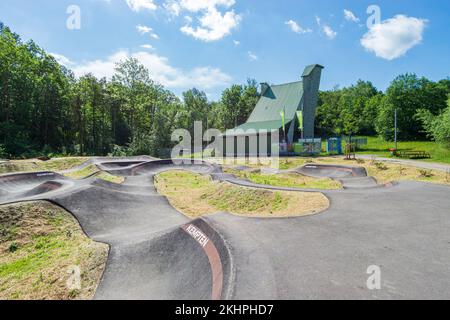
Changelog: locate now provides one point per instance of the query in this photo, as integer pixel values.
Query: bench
(413, 154)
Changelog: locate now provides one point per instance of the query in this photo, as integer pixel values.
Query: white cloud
(295, 27)
(236, 42)
(252, 56)
(326, 29)
(318, 21)
(160, 70)
(212, 24)
(173, 7)
(144, 30)
(330, 33)
(138, 5)
(198, 5)
(394, 37)
(350, 16)
(147, 46)
(62, 60)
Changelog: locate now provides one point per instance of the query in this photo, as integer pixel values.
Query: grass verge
(39, 243)
(196, 195)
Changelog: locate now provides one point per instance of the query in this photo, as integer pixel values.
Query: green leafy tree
(347, 111)
(437, 127)
(408, 94)
(237, 103)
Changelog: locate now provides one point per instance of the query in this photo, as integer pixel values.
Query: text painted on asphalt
(199, 236)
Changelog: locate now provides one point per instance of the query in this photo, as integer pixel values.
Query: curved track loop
(152, 255)
(157, 253)
(349, 177)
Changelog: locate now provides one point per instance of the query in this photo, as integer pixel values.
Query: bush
(141, 145)
(425, 173)
(3, 154)
(13, 247)
(437, 127)
(380, 166)
(118, 151)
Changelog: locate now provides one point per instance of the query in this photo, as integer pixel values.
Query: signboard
(308, 147)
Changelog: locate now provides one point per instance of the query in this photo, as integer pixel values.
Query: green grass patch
(83, 173)
(196, 195)
(61, 164)
(110, 178)
(36, 256)
(242, 200)
(34, 165)
(91, 170)
(379, 147)
(290, 180)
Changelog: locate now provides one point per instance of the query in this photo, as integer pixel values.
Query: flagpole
(284, 124)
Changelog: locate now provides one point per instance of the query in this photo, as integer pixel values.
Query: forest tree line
(45, 109)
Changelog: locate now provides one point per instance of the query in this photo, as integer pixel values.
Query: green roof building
(286, 98)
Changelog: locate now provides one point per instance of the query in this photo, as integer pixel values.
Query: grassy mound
(91, 170)
(197, 195)
(290, 180)
(40, 244)
(34, 165)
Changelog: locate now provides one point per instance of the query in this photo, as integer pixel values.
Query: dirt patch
(42, 247)
(196, 195)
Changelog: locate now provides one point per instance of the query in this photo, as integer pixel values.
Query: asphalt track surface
(158, 253)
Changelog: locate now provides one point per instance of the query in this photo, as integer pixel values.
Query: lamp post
(395, 130)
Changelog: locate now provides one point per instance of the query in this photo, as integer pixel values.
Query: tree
(237, 103)
(437, 127)
(328, 120)
(196, 108)
(44, 109)
(348, 110)
(408, 94)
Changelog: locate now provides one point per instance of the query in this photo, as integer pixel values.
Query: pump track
(158, 253)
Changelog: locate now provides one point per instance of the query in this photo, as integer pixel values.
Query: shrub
(380, 165)
(74, 293)
(437, 127)
(3, 153)
(13, 247)
(425, 173)
(143, 144)
(118, 151)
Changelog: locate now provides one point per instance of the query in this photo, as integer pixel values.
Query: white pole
(395, 129)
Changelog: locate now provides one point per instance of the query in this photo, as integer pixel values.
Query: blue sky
(211, 44)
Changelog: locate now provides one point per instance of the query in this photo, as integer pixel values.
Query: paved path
(157, 253)
(414, 163)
